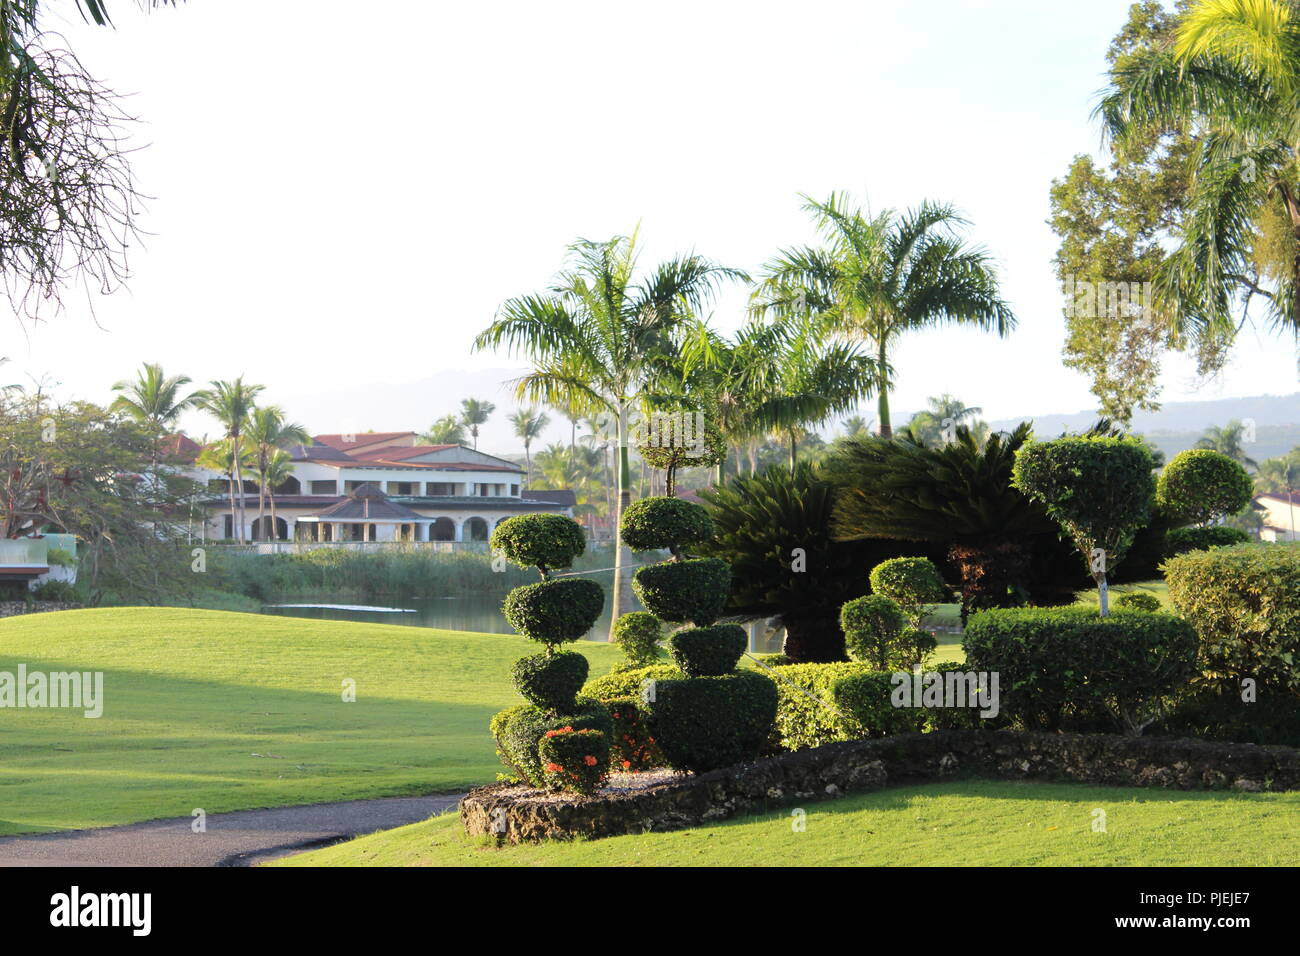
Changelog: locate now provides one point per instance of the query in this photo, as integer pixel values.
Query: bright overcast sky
(345, 192)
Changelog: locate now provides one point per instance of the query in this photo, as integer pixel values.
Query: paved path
(240, 838)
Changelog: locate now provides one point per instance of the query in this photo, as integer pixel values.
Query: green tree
(447, 430)
(936, 423)
(473, 413)
(594, 338)
(877, 278)
(1227, 440)
(231, 403)
(154, 400)
(529, 423)
(268, 432)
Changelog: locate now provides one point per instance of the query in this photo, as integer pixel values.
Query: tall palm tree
(594, 338)
(231, 403)
(268, 432)
(447, 430)
(154, 400)
(277, 469)
(529, 423)
(1227, 440)
(1278, 476)
(944, 412)
(473, 413)
(854, 425)
(1230, 80)
(218, 456)
(876, 278)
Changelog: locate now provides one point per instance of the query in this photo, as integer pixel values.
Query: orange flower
(589, 760)
(554, 767)
(626, 764)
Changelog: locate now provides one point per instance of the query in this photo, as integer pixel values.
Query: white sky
(345, 193)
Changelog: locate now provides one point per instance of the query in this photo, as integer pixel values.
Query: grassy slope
(228, 711)
(969, 823)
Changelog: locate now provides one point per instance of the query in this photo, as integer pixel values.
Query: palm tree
(594, 338)
(277, 469)
(529, 423)
(1230, 80)
(219, 457)
(854, 425)
(1227, 440)
(268, 432)
(155, 401)
(474, 412)
(942, 416)
(230, 403)
(1278, 476)
(878, 278)
(445, 431)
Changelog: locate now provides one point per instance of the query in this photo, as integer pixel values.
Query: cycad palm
(594, 336)
(231, 403)
(876, 278)
(1231, 79)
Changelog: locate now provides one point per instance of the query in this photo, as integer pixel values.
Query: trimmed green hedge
(554, 612)
(1182, 540)
(638, 634)
(551, 681)
(1201, 484)
(652, 524)
(542, 541)
(678, 591)
(627, 683)
(822, 703)
(1244, 603)
(704, 723)
(708, 651)
(1070, 667)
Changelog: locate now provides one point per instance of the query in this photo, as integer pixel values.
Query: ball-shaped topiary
(551, 680)
(638, 634)
(1199, 485)
(543, 541)
(873, 629)
(913, 584)
(694, 590)
(651, 524)
(708, 651)
(554, 612)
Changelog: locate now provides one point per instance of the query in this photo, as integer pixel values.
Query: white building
(1279, 516)
(380, 486)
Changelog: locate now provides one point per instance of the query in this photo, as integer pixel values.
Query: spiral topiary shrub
(554, 612)
(1182, 540)
(654, 524)
(1200, 485)
(638, 633)
(518, 731)
(543, 541)
(694, 590)
(703, 723)
(574, 759)
(708, 651)
(551, 680)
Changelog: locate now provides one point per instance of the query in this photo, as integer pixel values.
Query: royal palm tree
(473, 413)
(877, 278)
(1230, 80)
(266, 433)
(155, 401)
(594, 338)
(529, 423)
(447, 430)
(231, 403)
(1227, 440)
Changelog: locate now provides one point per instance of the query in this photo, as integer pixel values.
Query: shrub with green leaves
(1182, 540)
(51, 590)
(1099, 489)
(554, 612)
(913, 584)
(518, 731)
(703, 723)
(653, 524)
(1138, 601)
(574, 759)
(873, 632)
(708, 651)
(1068, 668)
(823, 703)
(694, 590)
(638, 633)
(544, 541)
(632, 749)
(551, 680)
(1200, 485)
(1244, 603)
(629, 683)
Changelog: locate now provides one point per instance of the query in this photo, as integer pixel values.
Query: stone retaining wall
(854, 766)
(12, 608)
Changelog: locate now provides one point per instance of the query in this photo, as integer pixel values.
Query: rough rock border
(518, 814)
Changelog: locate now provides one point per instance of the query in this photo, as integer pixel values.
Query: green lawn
(970, 823)
(229, 711)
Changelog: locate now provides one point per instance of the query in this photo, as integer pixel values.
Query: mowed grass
(225, 711)
(964, 823)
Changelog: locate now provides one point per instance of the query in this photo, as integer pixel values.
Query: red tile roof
(398, 452)
(179, 447)
(361, 440)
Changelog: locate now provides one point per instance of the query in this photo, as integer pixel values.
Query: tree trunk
(239, 480)
(234, 512)
(621, 598)
(1103, 592)
(275, 524)
(814, 640)
(794, 451)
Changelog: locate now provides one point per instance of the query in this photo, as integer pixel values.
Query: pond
(468, 612)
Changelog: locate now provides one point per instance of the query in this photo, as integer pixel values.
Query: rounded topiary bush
(542, 541)
(551, 680)
(873, 630)
(638, 634)
(554, 612)
(1199, 485)
(1137, 601)
(518, 730)
(708, 651)
(652, 524)
(912, 583)
(574, 759)
(703, 723)
(693, 590)
(1182, 540)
